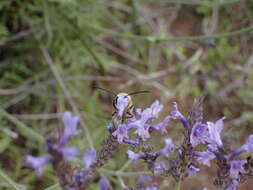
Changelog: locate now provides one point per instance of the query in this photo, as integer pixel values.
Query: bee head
(121, 101)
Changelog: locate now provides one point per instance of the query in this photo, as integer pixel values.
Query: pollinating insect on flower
(202, 142)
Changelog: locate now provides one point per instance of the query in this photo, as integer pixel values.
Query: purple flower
(199, 134)
(161, 126)
(175, 114)
(121, 133)
(214, 132)
(204, 157)
(142, 128)
(151, 188)
(236, 167)
(69, 153)
(209, 42)
(78, 177)
(169, 147)
(152, 112)
(155, 107)
(233, 185)
(37, 163)
(143, 132)
(70, 126)
(247, 147)
(132, 119)
(159, 167)
(133, 143)
(144, 179)
(89, 158)
(217, 154)
(133, 155)
(138, 111)
(191, 170)
(110, 127)
(121, 103)
(104, 183)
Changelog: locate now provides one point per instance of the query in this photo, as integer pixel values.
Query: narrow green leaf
(55, 186)
(9, 180)
(24, 130)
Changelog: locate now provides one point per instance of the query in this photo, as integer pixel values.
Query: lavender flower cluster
(201, 143)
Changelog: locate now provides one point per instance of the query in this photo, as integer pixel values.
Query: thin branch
(118, 51)
(31, 89)
(66, 92)
(197, 2)
(13, 90)
(15, 100)
(236, 83)
(124, 174)
(24, 130)
(19, 35)
(38, 116)
(157, 39)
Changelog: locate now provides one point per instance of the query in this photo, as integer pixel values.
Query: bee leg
(113, 114)
(129, 115)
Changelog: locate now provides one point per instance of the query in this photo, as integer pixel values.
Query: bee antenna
(108, 91)
(139, 92)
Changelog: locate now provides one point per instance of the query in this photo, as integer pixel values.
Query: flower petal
(89, 158)
(156, 107)
(121, 133)
(169, 147)
(236, 167)
(104, 183)
(159, 167)
(199, 134)
(133, 143)
(249, 144)
(133, 155)
(143, 132)
(151, 188)
(70, 126)
(192, 170)
(247, 147)
(161, 126)
(233, 185)
(175, 114)
(214, 132)
(204, 157)
(69, 153)
(37, 163)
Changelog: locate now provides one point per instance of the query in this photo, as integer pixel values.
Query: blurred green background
(53, 51)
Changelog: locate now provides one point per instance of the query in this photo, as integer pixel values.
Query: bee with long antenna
(123, 105)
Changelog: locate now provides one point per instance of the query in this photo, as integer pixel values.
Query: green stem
(178, 186)
(155, 39)
(124, 174)
(52, 187)
(196, 2)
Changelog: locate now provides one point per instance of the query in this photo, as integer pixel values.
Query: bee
(123, 105)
